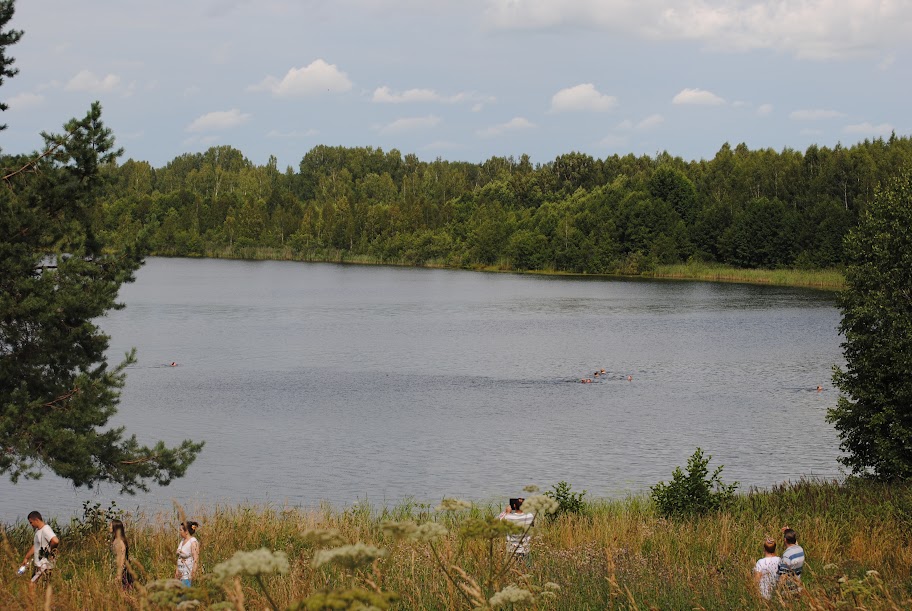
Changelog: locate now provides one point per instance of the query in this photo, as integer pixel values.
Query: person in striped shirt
(792, 561)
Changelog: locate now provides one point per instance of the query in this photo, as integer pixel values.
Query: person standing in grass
(187, 553)
(44, 548)
(792, 562)
(518, 544)
(121, 550)
(766, 570)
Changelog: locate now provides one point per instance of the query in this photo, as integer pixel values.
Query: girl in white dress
(187, 553)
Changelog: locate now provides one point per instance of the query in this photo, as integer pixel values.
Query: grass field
(618, 555)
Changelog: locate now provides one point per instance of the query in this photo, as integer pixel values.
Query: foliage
(58, 275)
(692, 493)
(620, 214)
(567, 501)
(95, 519)
(874, 412)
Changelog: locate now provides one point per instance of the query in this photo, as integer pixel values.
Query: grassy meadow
(618, 555)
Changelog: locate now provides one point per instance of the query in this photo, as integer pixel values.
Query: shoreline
(830, 280)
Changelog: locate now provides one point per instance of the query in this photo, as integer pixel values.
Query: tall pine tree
(57, 392)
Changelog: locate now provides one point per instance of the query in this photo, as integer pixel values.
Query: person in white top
(187, 553)
(44, 549)
(766, 569)
(518, 544)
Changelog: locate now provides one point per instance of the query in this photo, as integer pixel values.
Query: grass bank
(620, 555)
(827, 279)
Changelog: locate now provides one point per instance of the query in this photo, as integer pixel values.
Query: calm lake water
(314, 382)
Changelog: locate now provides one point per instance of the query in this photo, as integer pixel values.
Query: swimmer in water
(630, 378)
(819, 388)
(603, 372)
(173, 364)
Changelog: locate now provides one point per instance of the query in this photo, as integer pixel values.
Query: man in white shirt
(44, 548)
(518, 544)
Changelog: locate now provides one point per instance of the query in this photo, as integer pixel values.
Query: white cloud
(385, 95)
(697, 96)
(88, 81)
(811, 132)
(292, 135)
(816, 29)
(647, 123)
(409, 124)
(815, 114)
(316, 78)
(514, 124)
(866, 129)
(218, 120)
(650, 122)
(613, 141)
(583, 97)
(764, 109)
(23, 101)
(887, 61)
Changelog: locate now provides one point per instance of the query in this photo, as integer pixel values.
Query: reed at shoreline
(618, 555)
(825, 279)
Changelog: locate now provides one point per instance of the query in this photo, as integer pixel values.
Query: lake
(343, 383)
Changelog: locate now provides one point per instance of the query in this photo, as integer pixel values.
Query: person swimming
(173, 364)
(630, 378)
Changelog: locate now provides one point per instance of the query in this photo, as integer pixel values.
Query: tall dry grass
(620, 555)
(828, 279)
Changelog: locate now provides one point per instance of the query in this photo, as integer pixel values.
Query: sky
(462, 79)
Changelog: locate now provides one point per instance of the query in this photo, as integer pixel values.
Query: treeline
(745, 208)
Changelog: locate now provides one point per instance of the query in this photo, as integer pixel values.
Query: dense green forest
(744, 208)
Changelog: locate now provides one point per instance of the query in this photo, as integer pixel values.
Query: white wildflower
(429, 531)
(349, 556)
(830, 567)
(189, 604)
(540, 504)
(511, 595)
(552, 586)
(453, 505)
(398, 530)
(258, 562)
(872, 574)
(323, 537)
(531, 488)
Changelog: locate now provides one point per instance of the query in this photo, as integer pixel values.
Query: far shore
(824, 279)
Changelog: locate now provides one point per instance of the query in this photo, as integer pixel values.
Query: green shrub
(693, 493)
(568, 502)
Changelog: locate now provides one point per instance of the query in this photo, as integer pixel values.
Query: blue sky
(463, 80)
